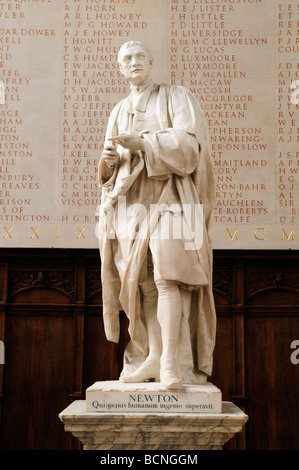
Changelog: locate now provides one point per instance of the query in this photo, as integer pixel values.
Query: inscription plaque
(150, 397)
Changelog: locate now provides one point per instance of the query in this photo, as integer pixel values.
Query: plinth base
(151, 397)
(143, 431)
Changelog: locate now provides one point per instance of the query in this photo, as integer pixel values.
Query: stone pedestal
(151, 397)
(152, 431)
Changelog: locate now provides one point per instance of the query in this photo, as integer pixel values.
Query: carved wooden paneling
(39, 372)
(261, 281)
(20, 280)
(52, 326)
(272, 323)
(272, 382)
(93, 283)
(222, 283)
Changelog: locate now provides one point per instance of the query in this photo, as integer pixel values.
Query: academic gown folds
(142, 193)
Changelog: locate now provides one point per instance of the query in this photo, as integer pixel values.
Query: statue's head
(135, 62)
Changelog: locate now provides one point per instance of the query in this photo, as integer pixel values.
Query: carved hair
(128, 44)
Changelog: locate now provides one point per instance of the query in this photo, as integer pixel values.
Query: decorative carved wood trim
(93, 283)
(259, 281)
(20, 280)
(222, 283)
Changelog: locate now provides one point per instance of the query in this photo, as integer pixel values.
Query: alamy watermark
(295, 354)
(2, 353)
(295, 94)
(158, 221)
(2, 92)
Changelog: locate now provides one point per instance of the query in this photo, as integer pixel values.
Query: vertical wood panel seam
(239, 341)
(79, 320)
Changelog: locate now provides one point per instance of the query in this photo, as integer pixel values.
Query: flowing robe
(174, 171)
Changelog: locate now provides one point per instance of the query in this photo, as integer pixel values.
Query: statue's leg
(150, 369)
(150, 300)
(185, 362)
(169, 316)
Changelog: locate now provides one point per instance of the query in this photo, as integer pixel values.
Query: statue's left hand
(129, 141)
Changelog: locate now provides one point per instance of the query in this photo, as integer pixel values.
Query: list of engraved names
(59, 81)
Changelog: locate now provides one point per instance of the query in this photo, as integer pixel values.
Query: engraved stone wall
(59, 81)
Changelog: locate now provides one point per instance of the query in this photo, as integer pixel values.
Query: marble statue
(155, 165)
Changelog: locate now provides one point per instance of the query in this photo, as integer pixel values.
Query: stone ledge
(141, 431)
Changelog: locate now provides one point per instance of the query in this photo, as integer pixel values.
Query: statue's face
(135, 65)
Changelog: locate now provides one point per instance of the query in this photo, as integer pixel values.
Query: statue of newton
(156, 170)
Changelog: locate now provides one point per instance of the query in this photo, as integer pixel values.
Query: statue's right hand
(110, 155)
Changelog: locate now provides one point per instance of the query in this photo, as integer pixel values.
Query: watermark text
(295, 354)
